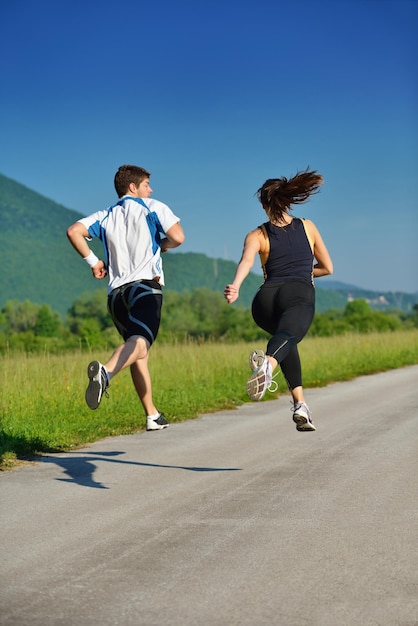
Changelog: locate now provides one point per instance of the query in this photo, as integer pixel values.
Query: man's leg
(142, 381)
(143, 385)
(134, 353)
(134, 348)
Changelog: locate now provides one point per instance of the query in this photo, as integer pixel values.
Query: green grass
(42, 406)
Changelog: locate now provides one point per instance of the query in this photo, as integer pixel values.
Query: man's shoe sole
(94, 389)
(156, 427)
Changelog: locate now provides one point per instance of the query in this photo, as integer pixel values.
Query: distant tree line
(199, 315)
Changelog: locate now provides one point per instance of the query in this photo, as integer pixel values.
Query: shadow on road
(80, 468)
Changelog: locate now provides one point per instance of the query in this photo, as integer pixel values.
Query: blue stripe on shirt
(154, 226)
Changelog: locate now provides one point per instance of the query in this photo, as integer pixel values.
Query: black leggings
(286, 311)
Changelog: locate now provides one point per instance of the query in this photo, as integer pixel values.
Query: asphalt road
(234, 518)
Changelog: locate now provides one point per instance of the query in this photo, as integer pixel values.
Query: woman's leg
(294, 308)
(292, 372)
(286, 312)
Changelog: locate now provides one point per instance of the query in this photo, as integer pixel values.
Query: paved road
(231, 519)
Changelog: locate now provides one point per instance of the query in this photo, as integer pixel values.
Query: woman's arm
(324, 265)
(249, 252)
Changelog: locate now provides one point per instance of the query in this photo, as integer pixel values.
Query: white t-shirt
(131, 232)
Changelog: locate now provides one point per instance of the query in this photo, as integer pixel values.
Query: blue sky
(214, 98)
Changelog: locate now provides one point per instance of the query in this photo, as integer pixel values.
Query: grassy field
(42, 406)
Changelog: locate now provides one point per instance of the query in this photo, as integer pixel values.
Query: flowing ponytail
(278, 194)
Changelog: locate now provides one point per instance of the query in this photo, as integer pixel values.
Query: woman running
(292, 254)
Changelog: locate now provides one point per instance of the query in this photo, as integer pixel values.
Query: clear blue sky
(214, 98)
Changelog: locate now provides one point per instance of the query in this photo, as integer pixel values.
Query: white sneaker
(256, 359)
(260, 381)
(156, 423)
(302, 417)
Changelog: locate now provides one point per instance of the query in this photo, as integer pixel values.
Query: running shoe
(98, 383)
(302, 417)
(260, 380)
(256, 359)
(156, 423)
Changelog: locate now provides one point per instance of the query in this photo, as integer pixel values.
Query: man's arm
(174, 237)
(77, 234)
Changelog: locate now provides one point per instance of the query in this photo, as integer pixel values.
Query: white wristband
(91, 259)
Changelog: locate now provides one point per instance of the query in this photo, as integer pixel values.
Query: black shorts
(135, 309)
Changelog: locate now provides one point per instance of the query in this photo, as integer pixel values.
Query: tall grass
(42, 404)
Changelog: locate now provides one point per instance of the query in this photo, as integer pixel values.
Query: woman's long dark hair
(278, 194)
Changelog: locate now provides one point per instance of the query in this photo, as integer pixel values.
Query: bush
(201, 314)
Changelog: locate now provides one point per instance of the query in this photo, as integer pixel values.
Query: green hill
(38, 261)
(39, 264)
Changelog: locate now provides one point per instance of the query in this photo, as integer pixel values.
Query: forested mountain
(39, 264)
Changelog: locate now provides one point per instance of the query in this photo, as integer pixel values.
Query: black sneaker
(156, 423)
(97, 385)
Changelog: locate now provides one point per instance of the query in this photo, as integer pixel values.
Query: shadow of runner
(80, 469)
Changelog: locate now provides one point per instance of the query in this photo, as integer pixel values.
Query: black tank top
(290, 256)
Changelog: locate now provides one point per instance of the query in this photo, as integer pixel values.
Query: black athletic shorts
(135, 309)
